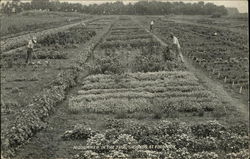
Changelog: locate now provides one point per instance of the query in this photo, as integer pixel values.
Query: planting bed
(139, 101)
(34, 21)
(129, 48)
(224, 56)
(30, 92)
(156, 114)
(142, 92)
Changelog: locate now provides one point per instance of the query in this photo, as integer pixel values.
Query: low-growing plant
(108, 65)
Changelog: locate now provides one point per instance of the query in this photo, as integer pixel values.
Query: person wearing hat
(176, 46)
(83, 24)
(151, 26)
(30, 48)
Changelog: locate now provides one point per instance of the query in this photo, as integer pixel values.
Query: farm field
(30, 21)
(115, 91)
(237, 24)
(54, 69)
(224, 57)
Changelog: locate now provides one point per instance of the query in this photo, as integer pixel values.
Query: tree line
(138, 8)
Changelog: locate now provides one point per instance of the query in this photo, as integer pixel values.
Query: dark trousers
(151, 28)
(29, 55)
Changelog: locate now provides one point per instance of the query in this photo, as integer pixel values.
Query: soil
(48, 143)
(215, 86)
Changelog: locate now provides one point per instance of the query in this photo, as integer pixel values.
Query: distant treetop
(138, 8)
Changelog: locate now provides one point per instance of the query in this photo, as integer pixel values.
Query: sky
(242, 5)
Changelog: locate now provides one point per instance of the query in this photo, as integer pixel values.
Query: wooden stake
(233, 84)
(225, 79)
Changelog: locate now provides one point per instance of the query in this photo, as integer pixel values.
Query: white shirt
(30, 44)
(152, 23)
(176, 42)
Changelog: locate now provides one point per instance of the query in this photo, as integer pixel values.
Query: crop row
(174, 140)
(130, 37)
(223, 55)
(19, 41)
(143, 104)
(150, 76)
(131, 43)
(130, 93)
(30, 119)
(132, 49)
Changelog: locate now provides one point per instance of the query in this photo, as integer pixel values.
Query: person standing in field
(176, 46)
(151, 25)
(83, 24)
(30, 48)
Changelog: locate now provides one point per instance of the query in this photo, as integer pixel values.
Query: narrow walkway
(209, 83)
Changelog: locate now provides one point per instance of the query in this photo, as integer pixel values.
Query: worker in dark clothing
(151, 26)
(30, 48)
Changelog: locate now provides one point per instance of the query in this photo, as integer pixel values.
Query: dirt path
(209, 83)
(48, 143)
(218, 89)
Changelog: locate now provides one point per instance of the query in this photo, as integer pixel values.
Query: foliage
(109, 64)
(138, 8)
(72, 36)
(243, 154)
(79, 132)
(174, 140)
(31, 119)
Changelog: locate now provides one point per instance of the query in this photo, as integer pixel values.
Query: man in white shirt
(30, 48)
(83, 24)
(151, 26)
(176, 46)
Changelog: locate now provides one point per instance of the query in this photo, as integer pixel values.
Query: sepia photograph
(124, 79)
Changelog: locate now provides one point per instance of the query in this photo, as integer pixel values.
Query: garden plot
(20, 82)
(224, 56)
(143, 92)
(140, 104)
(143, 116)
(132, 53)
(34, 90)
(125, 35)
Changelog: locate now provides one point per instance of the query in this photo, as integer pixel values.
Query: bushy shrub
(51, 55)
(125, 139)
(210, 128)
(148, 63)
(205, 155)
(151, 140)
(110, 64)
(112, 134)
(72, 36)
(86, 155)
(114, 123)
(79, 132)
(98, 141)
(145, 154)
(117, 154)
(233, 143)
(243, 154)
(154, 58)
